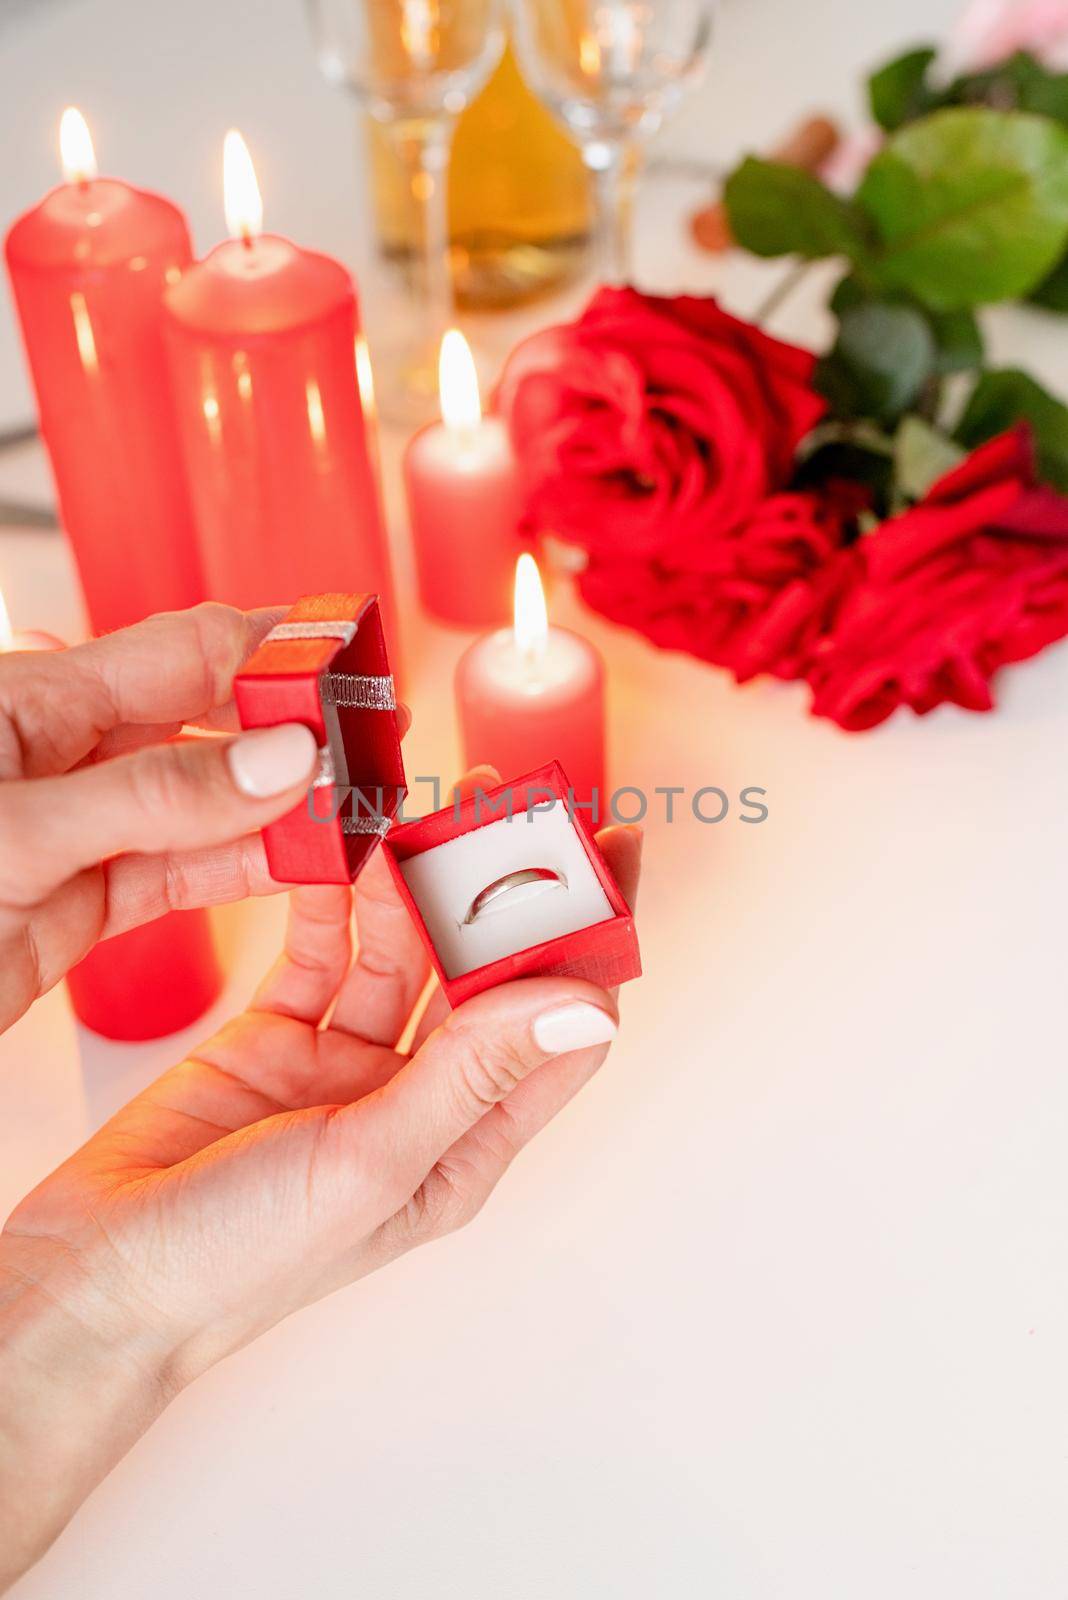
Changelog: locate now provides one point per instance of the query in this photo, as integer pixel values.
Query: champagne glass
(414, 65)
(611, 71)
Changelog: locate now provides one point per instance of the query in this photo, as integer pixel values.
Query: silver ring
(494, 896)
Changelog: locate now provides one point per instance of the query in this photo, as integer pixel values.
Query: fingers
(621, 847)
(476, 1060)
(318, 948)
(130, 736)
(180, 796)
(483, 777)
(141, 888)
(306, 979)
(437, 1007)
(391, 964)
(460, 1182)
(177, 667)
(436, 1010)
(171, 669)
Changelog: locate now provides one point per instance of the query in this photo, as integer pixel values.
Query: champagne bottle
(519, 201)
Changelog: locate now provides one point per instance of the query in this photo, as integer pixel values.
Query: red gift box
(606, 952)
(326, 666)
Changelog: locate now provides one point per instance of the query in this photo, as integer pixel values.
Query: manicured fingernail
(573, 1028)
(268, 761)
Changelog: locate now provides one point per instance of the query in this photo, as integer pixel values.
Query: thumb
(180, 796)
(476, 1059)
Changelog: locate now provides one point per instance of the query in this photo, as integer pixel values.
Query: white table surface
(777, 1310)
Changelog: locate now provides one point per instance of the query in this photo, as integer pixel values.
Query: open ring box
(326, 666)
(579, 926)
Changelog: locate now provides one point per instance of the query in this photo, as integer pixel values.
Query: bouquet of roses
(885, 522)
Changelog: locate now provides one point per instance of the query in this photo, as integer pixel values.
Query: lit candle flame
(76, 151)
(241, 192)
(7, 633)
(458, 382)
(531, 617)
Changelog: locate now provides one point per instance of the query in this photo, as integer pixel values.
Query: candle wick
(465, 436)
(246, 237)
(533, 654)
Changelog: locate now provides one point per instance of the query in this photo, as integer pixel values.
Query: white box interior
(445, 880)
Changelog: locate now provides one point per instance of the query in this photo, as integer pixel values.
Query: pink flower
(992, 30)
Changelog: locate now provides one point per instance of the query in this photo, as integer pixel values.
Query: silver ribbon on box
(366, 824)
(326, 773)
(345, 631)
(358, 692)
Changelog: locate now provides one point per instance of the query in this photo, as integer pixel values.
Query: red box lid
(606, 953)
(326, 666)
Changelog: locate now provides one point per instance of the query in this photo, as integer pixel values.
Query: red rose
(754, 600)
(973, 577)
(652, 421)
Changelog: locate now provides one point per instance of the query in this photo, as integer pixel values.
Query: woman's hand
(104, 824)
(293, 1153)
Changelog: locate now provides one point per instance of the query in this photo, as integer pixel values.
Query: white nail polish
(268, 761)
(573, 1027)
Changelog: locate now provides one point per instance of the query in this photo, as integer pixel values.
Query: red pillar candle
(530, 695)
(262, 341)
(87, 269)
(463, 502)
(150, 982)
(153, 980)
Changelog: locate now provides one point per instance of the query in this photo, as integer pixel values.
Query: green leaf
(958, 341)
(970, 205)
(848, 292)
(859, 435)
(1019, 83)
(776, 210)
(1045, 93)
(857, 451)
(957, 336)
(898, 92)
(1002, 399)
(922, 455)
(888, 352)
(1052, 292)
